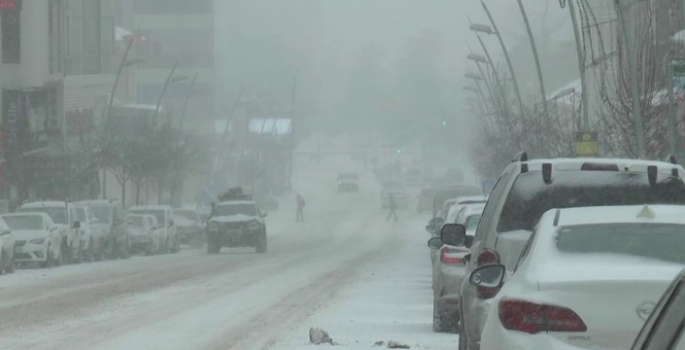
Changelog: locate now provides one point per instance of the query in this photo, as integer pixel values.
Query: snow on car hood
(233, 218)
(27, 235)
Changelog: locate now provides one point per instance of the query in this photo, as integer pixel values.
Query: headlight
(37, 240)
(253, 225)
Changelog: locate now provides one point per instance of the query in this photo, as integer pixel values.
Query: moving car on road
(190, 227)
(6, 248)
(64, 216)
(165, 222)
(37, 238)
(529, 188)
(236, 223)
(348, 182)
(587, 278)
(111, 222)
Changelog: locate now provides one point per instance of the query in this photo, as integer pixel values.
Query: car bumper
(31, 253)
(348, 187)
(498, 338)
(235, 237)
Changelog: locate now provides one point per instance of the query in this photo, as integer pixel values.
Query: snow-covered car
(7, 241)
(91, 235)
(529, 188)
(165, 222)
(64, 216)
(395, 188)
(160, 236)
(450, 268)
(664, 328)
(142, 235)
(190, 227)
(36, 238)
(111, 222)
(236, 223)
(587, 278)
(348, 182)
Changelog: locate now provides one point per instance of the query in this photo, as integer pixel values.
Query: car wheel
(59, 260)
(76, 258)
(65, 252)
(260, 247)
(10, 267)
(444, 321)
(125, 251)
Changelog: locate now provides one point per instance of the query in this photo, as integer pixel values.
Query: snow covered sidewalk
(390, 301)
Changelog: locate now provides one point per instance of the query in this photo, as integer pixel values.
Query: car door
(664, 329)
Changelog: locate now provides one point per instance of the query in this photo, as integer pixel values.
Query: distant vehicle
(449, 269)
(236, 222)
(664, 329)
(443, 194)
(91, 234)
(348, 182)
(7, 241)
(396, 188)
(529, 188)
(595, 272)
(141, 234)
(165, 221)
(451, 207)
(111, 222)
(65, 217)
(190, 227)
(36, 238)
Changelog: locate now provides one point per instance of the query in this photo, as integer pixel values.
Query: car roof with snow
(236, 202)
(471, 199)
(673, 214)
(97, 202)
(44, 204)
(625, 165)
(150, 207)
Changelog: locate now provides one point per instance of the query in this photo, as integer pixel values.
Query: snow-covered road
(345, 269)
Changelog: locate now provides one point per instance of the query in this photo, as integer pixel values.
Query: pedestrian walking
(300, 207)
(392, 205)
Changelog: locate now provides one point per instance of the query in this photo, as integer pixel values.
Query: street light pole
(634, 88)
(537, 59)
(506, 57)
(581, 66)
(161, 95)
(191, 90)
(669, 82)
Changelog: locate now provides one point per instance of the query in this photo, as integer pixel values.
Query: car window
(158, 214)
(530, 197)
(58, 215)
(489, 213)
(25, 222)
(472, 222)
(236, 209)
(526, 248)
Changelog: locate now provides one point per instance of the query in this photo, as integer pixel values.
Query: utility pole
(668, 67)
(292, 132)
(161, 95)
(537, 59)
(581, 66)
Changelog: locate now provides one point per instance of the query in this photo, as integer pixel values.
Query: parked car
(529, 188)
(111, 222)
(587, 278)
(142, 234)
(91, 235)
(6, 248)
(445, 193)
(348, 182)
(64, 216)
(450, 209)
(664, 328)
(160, 236)
(36, 238)
(165, 221)
(394, 187)
(449, 269)
(236, 222)
(190, 227)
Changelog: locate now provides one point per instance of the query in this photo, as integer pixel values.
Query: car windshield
(159, 214)
(58, 215)
(653, 241)
(137, 220)
(531, 197)
(24, 222)
(102, 213)
(472, 222)
(235, 209)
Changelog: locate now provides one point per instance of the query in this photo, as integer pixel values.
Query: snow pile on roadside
(390, 302)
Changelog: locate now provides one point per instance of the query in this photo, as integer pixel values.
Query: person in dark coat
(300, 207)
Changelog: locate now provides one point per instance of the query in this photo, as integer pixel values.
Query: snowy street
(345, 269)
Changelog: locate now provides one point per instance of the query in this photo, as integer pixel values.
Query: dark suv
(236, 222)
(527, 189)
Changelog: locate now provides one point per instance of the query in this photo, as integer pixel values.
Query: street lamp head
(477, 58)
(473, 76)
(482, 28)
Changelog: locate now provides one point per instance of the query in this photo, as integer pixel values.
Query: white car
(67, 223)
(37, 238)
(142, 234)
(587, 278)
(159, 235)
(165, 221)
(6, 248)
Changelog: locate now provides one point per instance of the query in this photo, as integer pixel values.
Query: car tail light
(528, 317)
(446, 258)
(486, 257)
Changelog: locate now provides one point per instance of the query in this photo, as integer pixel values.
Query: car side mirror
(488, 276)
(76, 224)
(435, 243)
(430, 228)
(453, 234)
(468, 241)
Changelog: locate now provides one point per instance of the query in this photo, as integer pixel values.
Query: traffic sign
(585, 144)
